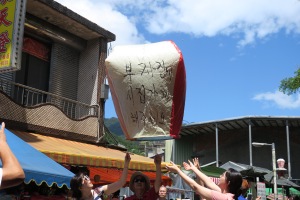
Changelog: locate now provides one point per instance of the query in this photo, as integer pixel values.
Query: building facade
(59, 89)
(226, 140)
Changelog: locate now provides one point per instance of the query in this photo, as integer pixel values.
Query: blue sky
(235, 52)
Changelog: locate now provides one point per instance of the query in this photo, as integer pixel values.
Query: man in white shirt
(11, 173)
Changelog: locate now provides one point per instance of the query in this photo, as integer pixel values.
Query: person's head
(244, 188)
(162, 193)
(231, 181)
(139, 181)
(78, 183)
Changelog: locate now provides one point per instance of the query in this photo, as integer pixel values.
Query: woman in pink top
(229, 187)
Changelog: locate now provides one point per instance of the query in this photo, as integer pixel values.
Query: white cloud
(106, 16)
(251, 19)
(278, 99)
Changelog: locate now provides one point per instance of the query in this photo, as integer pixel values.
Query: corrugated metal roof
(239, 123)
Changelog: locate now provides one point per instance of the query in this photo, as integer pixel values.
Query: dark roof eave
(238, 123)
(193, 124)
(79, 19)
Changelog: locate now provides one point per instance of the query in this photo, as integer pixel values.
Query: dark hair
(244, 187)
(116, 194)
(76, 183)
(234, 178)
(296, 197)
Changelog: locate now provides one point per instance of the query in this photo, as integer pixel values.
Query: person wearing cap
(11, 173)
(82, 187)
(140, 184)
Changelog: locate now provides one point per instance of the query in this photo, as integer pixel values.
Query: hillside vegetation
(114, 127)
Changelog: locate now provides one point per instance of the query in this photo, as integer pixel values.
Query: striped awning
(77, 153)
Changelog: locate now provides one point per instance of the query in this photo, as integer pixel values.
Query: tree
(290, 85)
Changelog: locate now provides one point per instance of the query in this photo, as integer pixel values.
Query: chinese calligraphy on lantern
(143, 92)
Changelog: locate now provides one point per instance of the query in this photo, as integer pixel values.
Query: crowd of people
(231, 184)
(229, 187)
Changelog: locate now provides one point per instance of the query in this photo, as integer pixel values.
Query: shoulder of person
(99, 190)
(221, 196)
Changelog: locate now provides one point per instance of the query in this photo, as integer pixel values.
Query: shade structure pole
(250, 143)
(217, 146)
(274, 171)
(257, 144)
(288, 149)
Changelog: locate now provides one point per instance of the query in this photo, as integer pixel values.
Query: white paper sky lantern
(148, 85)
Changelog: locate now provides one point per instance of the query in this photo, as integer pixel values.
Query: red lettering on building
(3, 2)
(3, 41)
(3, 15)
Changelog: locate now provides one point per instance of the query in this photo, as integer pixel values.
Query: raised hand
(196, 163)
(157, 159)
(127, 158)
(189, 166)
(172, 167)
(2, 134)
(186, 166)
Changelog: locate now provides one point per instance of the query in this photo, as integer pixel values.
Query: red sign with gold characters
(12, 16)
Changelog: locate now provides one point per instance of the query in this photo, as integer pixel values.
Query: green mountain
(117, 136)
(113, 126)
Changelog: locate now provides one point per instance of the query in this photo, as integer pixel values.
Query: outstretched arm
(111, 188)
(12, 172)
(157, 183)
(204, 192)
(198, 166)
(202, 177)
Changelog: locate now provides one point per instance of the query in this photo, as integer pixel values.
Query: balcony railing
(31, 97)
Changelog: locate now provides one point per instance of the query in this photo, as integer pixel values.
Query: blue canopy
(36, 165)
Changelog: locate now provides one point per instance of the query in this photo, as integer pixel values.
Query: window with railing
(31, 97)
